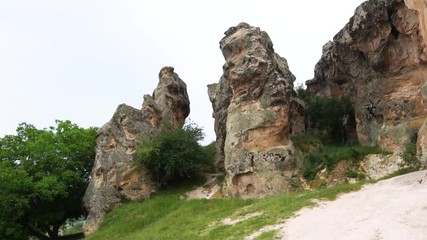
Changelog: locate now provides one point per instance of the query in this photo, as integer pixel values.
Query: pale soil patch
(263, 230)
(391, 209)
(230, 221)
(207, 190)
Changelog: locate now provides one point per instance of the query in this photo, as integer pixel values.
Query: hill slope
(384, 210)
(170, 216)
(392, 209)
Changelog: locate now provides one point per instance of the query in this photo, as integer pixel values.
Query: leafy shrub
(210, 154)
(306, 142)
(172, 155)
(326, 115)
(311, 167)
(410, 157)
(351, 173)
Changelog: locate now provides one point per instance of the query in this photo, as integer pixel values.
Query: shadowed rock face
(114, 178)
(253, 104)
(379, 59)
(422, 135)
(220, 97)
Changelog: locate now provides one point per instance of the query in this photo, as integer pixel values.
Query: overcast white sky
(78, 59)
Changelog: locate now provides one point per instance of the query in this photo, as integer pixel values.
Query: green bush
(173, 155)
(410, 157)
(326, 116)
(306, 142)
(351, 173)
(311, 167)
(210, 154)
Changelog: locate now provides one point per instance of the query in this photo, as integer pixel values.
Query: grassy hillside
(169, 216)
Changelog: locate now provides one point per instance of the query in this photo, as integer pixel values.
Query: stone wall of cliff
(379, 59)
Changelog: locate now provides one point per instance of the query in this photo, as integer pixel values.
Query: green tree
(329, 116)
(43, 176)
(173, 154)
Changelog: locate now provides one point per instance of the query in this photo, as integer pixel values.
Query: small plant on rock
(410, 157)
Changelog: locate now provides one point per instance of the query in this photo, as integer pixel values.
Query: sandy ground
(390, 209)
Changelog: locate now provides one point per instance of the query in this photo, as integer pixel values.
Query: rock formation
(420, 7)
(220, 97)
(253, 104)
(422, 135)
(422, 145)
(379, 59)
(114, 177)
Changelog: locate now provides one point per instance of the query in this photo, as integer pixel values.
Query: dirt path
(390, 209)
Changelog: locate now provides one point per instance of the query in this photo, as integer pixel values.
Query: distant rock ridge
(255, 110)
(379, 60)
(114, 177)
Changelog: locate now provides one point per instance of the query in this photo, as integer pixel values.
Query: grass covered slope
(169, 216)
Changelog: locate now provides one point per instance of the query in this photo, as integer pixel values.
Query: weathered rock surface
(422, 135)
(114, 177)
(220, 97)
(253, 104)
(377, 166)
(422, 145)
(379, 59)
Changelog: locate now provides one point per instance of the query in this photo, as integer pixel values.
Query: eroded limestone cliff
(379, 60)
(254, 109)
(114, 177)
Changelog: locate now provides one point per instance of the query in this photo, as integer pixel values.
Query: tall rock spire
(114, 177)
(253, 105)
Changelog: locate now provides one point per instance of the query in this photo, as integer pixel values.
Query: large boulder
(114, 177)
(253, 104)
(379, 60)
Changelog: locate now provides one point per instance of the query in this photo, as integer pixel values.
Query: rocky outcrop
(114, 177)
(422, 145)
(220, 97)
(379, 59)
(422, 135)
(377, 166)
(253, 104)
